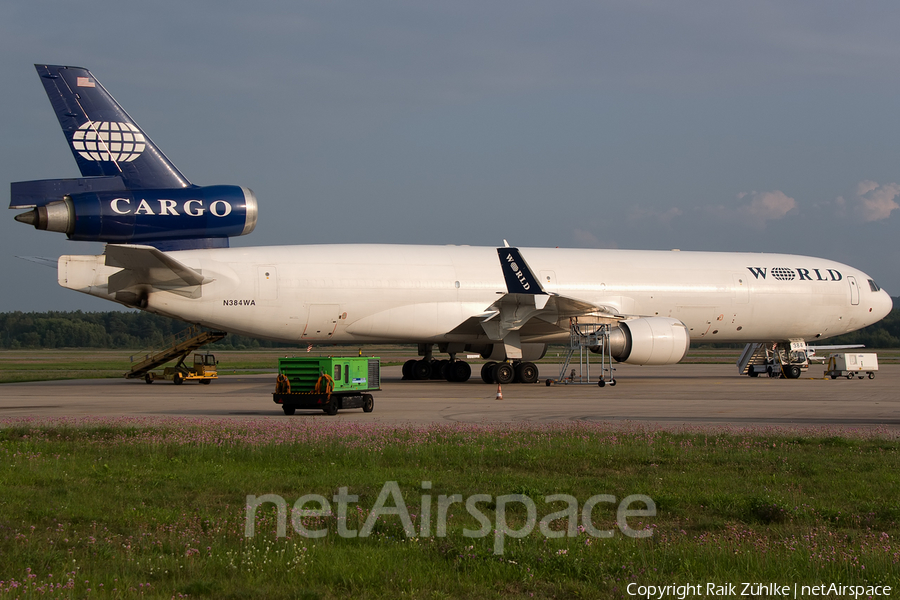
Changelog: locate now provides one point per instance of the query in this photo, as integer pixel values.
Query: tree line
(114, 330)
(140, 330)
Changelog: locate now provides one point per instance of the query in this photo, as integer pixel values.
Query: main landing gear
(504, 372)
(451, 370)
(459, 371)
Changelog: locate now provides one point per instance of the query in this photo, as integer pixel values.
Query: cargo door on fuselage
(698, 319)
(321, 322)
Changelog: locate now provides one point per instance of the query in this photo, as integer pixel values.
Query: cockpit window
(874, 286)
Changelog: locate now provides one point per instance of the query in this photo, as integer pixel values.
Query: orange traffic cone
(499, 393)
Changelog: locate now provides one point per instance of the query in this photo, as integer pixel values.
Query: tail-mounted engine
(147, 216)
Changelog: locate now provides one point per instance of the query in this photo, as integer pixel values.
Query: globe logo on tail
(108, 141)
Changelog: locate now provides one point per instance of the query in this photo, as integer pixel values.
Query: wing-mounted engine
(649, 341)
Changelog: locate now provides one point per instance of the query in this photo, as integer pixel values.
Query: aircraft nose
(882, 305)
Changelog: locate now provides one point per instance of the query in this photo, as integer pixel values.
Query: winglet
(519, 278)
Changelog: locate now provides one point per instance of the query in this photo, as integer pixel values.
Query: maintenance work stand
(587, 339)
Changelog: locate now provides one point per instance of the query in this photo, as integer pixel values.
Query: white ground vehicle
(852, 364)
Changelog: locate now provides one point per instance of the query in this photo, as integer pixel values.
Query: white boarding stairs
(753, 354)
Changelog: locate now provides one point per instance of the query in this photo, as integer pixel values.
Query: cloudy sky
(701, 125)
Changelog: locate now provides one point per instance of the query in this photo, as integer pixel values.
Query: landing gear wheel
(792, 372)
(459, 371)
(601, 383)
(503, 373)
(148, 378)
(421, 370)
(288, 410)
(368, 403)
(332, 407)
(178, 379)
(438, 369)
(487, 372)
(408, 368)
(527, 372)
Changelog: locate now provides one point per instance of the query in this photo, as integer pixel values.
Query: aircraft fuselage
(403, 293)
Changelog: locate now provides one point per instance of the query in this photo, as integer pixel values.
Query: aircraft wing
(145, 266)
(527, 307)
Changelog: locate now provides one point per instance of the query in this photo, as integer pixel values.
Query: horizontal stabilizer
(29, 194)
(147, 266)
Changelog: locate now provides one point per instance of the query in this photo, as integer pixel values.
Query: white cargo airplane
(167, 253)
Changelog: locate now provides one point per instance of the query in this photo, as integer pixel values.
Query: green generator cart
(330, 383)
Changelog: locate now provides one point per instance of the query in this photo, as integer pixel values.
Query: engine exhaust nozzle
(54, 216)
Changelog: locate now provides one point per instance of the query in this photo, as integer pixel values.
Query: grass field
(157, 508)
(43, 365)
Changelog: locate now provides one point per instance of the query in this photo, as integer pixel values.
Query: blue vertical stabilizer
(104, 140)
